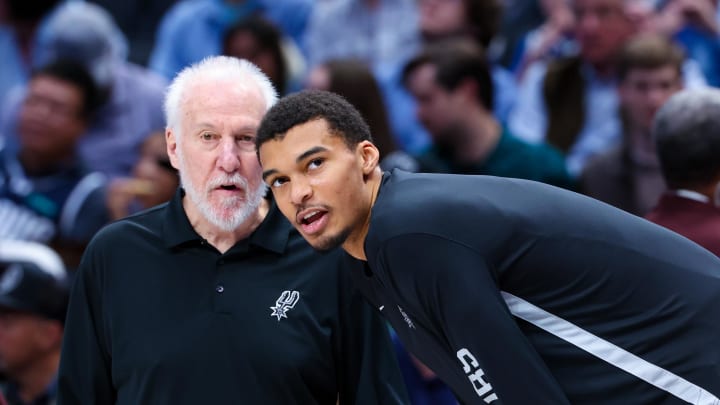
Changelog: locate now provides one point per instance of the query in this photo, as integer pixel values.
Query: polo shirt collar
(272, 234)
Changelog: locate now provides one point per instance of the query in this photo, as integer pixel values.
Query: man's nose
(300, 192)
(229, 156)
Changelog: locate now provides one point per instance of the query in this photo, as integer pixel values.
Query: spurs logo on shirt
(284, 303)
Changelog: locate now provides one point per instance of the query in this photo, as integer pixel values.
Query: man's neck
(34, 381)
(221, 239)
(354, 245)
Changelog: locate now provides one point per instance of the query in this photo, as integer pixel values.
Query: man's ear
(369, 157)
(171, 142)
(468, 88)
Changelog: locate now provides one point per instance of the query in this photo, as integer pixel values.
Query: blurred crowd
(564, 92)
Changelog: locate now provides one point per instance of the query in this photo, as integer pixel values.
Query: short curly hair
(342, 118)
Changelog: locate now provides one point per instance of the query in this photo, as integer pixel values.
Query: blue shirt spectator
(386, 32)
(194, 29)
(601, 129)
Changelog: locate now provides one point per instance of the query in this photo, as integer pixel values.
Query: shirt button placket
(221, 304)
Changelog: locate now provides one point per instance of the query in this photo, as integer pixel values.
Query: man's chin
(325, 243)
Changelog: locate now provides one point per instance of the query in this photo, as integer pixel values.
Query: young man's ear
(171, 142)
(369, 157)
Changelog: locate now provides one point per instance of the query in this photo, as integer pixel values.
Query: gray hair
(687, 136)
(86, 33)
(236, 72)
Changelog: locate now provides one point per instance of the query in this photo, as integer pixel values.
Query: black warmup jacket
(159, 317)
(516, 292)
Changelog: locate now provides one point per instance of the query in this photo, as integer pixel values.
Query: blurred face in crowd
(214, 152)
(319, 78)
(602, 26)
(155, 168)
(25, 339)
(51, 120)
(438, 109)
(644, 91)
(319, 182)
(441, 17)
(244, 45)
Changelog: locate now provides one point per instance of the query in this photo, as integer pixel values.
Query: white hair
(237, 72)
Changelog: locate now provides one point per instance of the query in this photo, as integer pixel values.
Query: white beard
(232, 212)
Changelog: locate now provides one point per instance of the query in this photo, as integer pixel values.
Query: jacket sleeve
(84, 376)
(368, 373)
(450, 289)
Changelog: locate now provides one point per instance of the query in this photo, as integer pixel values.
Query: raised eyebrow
(310, 152)
(300, 158)
(268, 173)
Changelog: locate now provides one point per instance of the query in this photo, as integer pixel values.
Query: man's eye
(277, 182)
(315, 163)
(206, 136)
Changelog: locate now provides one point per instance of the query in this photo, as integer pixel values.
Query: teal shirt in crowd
(512, 157)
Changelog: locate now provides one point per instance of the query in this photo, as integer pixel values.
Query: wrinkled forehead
(242, 98)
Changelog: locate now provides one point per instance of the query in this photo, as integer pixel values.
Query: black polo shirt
(517, 292)
(158, 316)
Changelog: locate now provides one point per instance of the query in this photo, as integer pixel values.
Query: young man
(453, 90)
(511, 291)
(46, 193)
(628, 176)
(213, 298)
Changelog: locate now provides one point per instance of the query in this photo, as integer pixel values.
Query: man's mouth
(311, 217)
(312, 220)
(229, 187)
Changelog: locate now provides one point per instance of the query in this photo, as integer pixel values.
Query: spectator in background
(154, 180)
(18, 36)
(687, 134)
(378, 32)
(572, 102)
(354, 80)
(131, 96)
(694, 24)
(474, 20)
(259, 41)
(33, 301)
(194, 29)
(628, 176)
(46, 194)
(453, 88)
(477, 20)
(139, 21)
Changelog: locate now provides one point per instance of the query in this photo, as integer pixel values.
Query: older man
(687, 134)
(213, 298)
